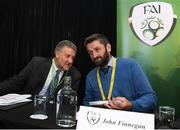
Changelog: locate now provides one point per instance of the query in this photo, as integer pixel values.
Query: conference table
(19, 117)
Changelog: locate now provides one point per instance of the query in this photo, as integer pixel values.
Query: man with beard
(120, 82)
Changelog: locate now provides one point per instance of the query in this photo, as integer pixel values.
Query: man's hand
(120, 103)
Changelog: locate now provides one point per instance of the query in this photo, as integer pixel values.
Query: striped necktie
(53, 84)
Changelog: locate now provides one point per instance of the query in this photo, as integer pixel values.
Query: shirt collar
(110, 63)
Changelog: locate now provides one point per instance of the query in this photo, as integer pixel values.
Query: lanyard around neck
(111, 82)
(53, 74)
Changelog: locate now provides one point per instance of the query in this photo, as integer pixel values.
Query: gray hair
(65, 43)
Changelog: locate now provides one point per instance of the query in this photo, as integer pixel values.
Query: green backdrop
(161, 63)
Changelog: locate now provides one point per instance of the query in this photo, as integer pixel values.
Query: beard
(103, 60)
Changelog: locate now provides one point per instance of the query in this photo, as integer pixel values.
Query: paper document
(13, 98)
(96, 103)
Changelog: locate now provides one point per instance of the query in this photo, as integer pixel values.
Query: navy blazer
(32, 78)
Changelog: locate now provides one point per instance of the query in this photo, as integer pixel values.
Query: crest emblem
(93, 117)
(152, 22)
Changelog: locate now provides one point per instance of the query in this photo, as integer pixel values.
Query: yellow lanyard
(111, 82)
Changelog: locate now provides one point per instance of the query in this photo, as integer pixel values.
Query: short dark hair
(102, 38)
(65, 43)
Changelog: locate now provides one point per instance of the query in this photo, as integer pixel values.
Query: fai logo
(93, 117)
(152, 22)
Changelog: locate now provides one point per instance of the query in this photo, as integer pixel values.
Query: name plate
(92, 118)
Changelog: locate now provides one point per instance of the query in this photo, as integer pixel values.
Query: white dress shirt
(50, 76)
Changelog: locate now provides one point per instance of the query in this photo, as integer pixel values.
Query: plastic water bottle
(66, 106)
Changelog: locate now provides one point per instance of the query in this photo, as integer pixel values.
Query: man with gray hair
(37, 76)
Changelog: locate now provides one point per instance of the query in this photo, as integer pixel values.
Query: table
(19, 118)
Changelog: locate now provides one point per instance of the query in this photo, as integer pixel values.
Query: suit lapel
(46, 68)
(44, 73)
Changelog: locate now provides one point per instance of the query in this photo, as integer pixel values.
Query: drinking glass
(166, 116)
(40, 103)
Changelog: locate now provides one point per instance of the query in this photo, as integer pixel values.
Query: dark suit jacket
(31, 79)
